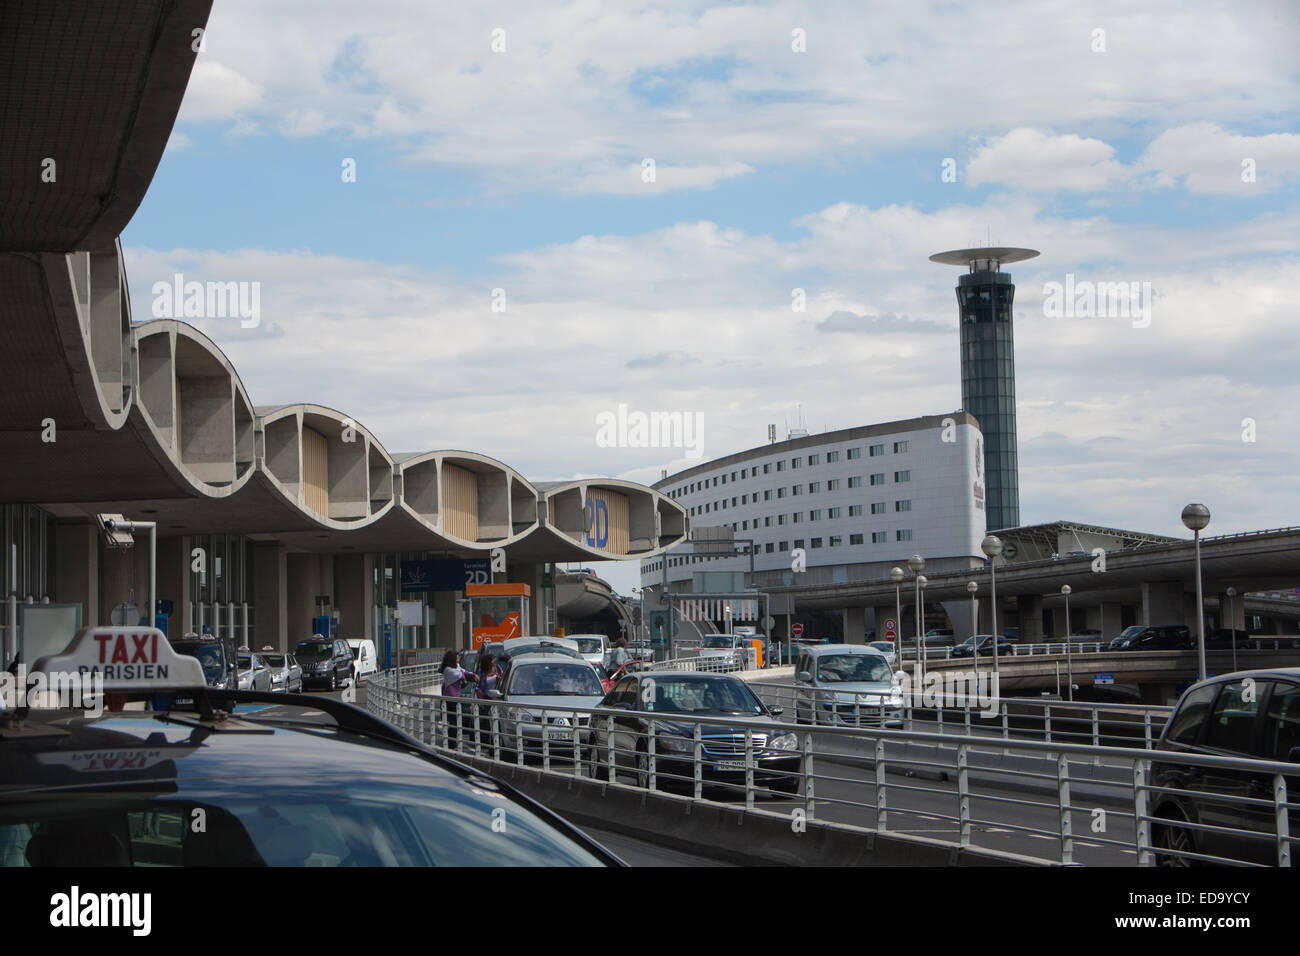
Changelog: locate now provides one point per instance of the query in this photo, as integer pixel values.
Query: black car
(218, 657)
(1226, 637)
(657, 701)
(1143, 637)
(124, 789)
(326, 662)
(986, 647)
(1252, 714)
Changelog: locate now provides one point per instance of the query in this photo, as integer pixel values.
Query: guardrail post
(963, 793)
(610, 775)
(967, 715)
(546, 743)
(653, 782)
(1096, 731)
(1141, 826)
(1146, 724)
(577, 747)
(496, 732)
(1282, 816)
(443, 730)
(749, 768)
(1063, 799)
(809, 777)
(697, 762)
(1047, 714)
(882, 809)
(519, 737)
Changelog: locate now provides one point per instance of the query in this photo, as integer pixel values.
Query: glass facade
(988, 387)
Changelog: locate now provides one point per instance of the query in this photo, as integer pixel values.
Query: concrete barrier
(730, 833)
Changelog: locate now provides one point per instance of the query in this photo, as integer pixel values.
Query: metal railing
(1108, 724)
(1054, 801)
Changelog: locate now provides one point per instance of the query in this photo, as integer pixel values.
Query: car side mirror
(805, 676)
(495, 694)
(778, 711)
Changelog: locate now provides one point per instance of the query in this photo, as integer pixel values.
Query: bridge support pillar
(1030, 610)
(1162, 603)
(959, 613)
(881, 614)
(855, 625)
(1060, 626)
(1232, 610)
(1108, 618)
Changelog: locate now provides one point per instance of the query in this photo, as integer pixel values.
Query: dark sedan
(1142, 637)
(986, 647)
(667, 703)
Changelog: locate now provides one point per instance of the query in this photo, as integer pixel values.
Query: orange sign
(492, 631)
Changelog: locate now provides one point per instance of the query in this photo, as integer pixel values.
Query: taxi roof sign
(127, 659)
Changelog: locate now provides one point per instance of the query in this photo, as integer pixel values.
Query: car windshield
(209, 656)
(589, 645)
(558, 680)
(245, 662)
(1133, 631)
(717, 640)
(351, 820)
(711, 696)
(883, 646)
(356, 652)
(273, 660)
(314, 648)
(853, 667)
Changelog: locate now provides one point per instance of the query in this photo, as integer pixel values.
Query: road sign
(891, 629)
(797, 630)
(1103, 678)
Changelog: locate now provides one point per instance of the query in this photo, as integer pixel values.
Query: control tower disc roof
(969, 257)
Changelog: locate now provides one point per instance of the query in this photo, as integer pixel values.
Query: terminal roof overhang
(98, 414)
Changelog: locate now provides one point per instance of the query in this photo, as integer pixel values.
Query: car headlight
(675, 745)
(784, 742)
(560, 722)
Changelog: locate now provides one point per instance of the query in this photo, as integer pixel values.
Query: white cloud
(1031, 159)
(216, 91)
(1210, 161)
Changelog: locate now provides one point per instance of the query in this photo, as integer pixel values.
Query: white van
(364, 658)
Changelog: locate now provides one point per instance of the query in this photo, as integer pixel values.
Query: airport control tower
(988, 370)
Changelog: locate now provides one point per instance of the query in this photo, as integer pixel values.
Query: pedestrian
(489, 679)
(454, 678)
(619, 655)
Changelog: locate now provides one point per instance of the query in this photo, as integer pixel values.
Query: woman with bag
(454, 678)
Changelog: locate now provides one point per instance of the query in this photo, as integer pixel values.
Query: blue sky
(1119, 155)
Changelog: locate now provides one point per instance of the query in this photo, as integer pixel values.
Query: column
(1232, 607)
(449, 626)
(1162, 603)
(855, 628)
(76, 570)
(354, 579)
(1030, 609)
(270, 597)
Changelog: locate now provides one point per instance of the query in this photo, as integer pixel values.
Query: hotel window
(796, 490)
(901, 446)
(795, 462)
(767, 522)
(724, 479)
(816, 515)
(767, 469)
(715, 481)
(814, 487)
(833, 485)
(814, 459)
(780, 465)
(744, 526)
(798, 542)
(733, 501)
(733, 476)
(877, 507)
(877, 450)
(855, 481)
(855, 453)
(879, 537)
(783, 546)
(780, 492)
(769, 547)
(767, 495)
(878, 479)
(902, 476)
(832, 457)
(855, 511)
(816, 542)
(835, 541)
(835, 512)
(744, 499)
(855, 539)
(780, 519)
(753, 472)
(905, 535)
(905, 505)
(797, 517)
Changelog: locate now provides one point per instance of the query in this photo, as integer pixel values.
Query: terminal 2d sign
(596, 513)
(446, 574)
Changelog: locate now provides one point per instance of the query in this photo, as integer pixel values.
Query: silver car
(286, 673)
(846, 684)
(254, 674)
(550, 683)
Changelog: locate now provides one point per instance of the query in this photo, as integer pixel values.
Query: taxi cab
(129, 786)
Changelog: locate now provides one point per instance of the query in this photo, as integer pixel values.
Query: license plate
(559, 735)
(182, 700)
(729, 765)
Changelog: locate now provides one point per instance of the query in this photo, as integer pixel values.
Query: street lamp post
(971, 588)
(896, 575)
(992, 547)
(1232, 625)
(1069, 658)
(1196, 517)
(917, 564)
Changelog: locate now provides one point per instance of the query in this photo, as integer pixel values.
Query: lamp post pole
(971, 588)
(896, 575)
(1069, 658)
(917, 564)
(1232, 625)
(1196, 517)
(992, 547)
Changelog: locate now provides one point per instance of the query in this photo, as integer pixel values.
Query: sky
(482, 226)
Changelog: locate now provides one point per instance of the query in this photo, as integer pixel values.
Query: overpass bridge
(1152, 582)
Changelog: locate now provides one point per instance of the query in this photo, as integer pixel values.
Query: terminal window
(835, 541)
(855, 453)
(855, 511)
(795, 463)
(798, 542)
(832, 457)
(879, 537)
(835, 512)
(814, 487)
(780, 466)
(780, 492)
(814, 459)
(905, 535)
(833, 485)
(856, 481)
(902, 476)
(905, 505)
(901, 446)
(878, 479)
(877, 507)
(796, 490)
(784, 546)
(877, 450)
(855, 539)
(815, 515)
(798, 517)
(816, 542)
(770, 547)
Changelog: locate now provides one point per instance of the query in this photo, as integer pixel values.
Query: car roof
(685, 675)
(821, 650)
(537, 639)
(545, 657)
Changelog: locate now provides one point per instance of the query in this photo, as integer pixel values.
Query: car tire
(1170, 836)
(790, 786)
